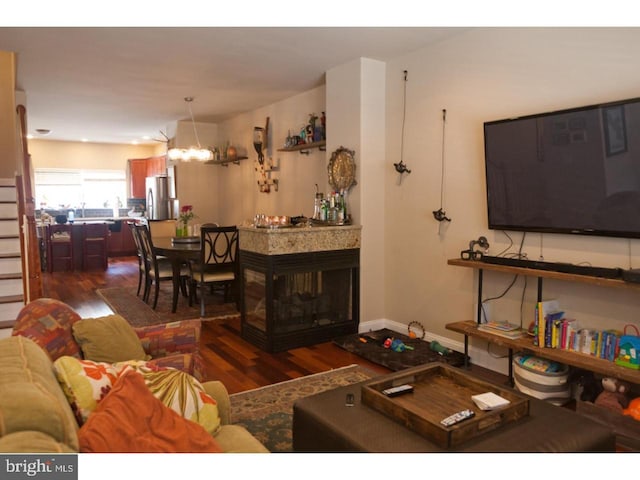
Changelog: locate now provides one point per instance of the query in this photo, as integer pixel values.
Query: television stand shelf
(580, 360)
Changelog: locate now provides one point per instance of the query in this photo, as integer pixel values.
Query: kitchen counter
(119, 241)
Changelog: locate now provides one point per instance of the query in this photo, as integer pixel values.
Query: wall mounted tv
(571, 171)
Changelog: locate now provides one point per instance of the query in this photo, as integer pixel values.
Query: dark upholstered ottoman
(323, 423)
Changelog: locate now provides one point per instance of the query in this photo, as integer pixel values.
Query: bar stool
(60, 255)
(94, 246)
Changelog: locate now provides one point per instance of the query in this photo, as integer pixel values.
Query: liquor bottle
(317, 206)
(333, 208)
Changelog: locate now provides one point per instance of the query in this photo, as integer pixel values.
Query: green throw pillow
(108, 339)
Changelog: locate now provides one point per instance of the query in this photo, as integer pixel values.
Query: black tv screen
(571, 171)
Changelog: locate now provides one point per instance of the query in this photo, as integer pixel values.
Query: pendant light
(193, 153)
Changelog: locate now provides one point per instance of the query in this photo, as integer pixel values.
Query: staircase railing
(29, 243)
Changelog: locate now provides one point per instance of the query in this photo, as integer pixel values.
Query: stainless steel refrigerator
(158, 200)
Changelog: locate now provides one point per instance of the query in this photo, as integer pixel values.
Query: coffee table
(324, 423)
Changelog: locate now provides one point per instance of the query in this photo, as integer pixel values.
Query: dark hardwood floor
(238, 364)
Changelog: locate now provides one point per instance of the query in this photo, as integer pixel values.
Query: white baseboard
(5, 332)
(481, 352)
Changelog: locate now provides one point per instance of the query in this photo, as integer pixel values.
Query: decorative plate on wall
(342, 169)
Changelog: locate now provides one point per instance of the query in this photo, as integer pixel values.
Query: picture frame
(615, 130)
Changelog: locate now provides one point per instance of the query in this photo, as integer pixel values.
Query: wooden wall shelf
(469, 328)
(532, 272)
(580, 360)
(225, 162)
(305, 148)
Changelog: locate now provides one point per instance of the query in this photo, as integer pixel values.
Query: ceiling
(122, 84)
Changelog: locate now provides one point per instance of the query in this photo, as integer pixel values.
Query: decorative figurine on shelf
(186, 215)
(614, 396)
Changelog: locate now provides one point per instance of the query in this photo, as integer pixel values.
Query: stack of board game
(503, 329)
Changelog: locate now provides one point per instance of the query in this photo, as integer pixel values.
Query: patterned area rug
(374, 351)
(267, 412)
(126, 303)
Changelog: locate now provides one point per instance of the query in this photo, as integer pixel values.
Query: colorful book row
(552, 330)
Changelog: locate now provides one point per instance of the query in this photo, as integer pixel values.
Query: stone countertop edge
(282, 241)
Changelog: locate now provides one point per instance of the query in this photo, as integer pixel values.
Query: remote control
(458, 417)
(399, 390)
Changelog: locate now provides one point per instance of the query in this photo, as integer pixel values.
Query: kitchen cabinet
(137, 175)
(140, 169)
(120, 243)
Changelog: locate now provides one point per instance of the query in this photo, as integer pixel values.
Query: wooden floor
(237, 363)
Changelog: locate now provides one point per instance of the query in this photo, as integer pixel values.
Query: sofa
(51, 324)
(39, 414)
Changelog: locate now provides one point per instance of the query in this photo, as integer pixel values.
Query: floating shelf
(305, 148)
(225, 163)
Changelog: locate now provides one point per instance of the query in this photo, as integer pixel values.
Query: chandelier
(192, 153)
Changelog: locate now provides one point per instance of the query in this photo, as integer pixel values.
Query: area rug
(371, 347)
(267, 412)
(126, 303)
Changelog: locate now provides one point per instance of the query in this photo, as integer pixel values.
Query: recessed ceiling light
(43, 131)
(29, 136)
(134, 142)
(84, 140)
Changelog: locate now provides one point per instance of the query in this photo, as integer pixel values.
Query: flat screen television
(574, 171)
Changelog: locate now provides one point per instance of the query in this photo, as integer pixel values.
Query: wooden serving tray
(440, 391)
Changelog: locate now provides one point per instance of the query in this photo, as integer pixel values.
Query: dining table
(178, 252)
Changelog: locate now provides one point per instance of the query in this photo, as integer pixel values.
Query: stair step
(10, 254)
(11, 276)
(11, 299)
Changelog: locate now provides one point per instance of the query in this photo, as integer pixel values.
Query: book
(489, 401)
(502, 326)
(543, 310)
(517, 333)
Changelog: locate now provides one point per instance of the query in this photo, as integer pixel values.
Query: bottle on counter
(333, 208)
(324, 210)
(317, 206)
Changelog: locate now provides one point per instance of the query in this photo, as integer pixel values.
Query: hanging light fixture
(193, 153)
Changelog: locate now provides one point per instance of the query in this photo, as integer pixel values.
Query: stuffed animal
(614, 396)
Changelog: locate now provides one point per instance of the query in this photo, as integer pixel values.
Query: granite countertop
(279, 241)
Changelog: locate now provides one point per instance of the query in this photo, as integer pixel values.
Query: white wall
(355, 98)
(482, 75)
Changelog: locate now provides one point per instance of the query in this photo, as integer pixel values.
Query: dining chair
(157, 269)
(162, 228)
(139, 254)
(217, 265)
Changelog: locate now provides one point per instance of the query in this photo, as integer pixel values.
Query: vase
(182, 229)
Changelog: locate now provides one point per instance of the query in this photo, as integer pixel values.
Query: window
(58, 188)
